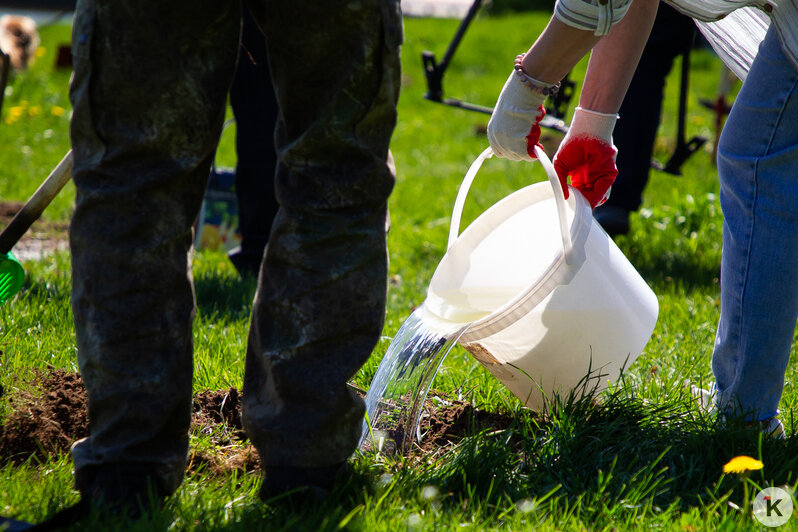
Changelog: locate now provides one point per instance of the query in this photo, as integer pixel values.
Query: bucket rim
(557, 273)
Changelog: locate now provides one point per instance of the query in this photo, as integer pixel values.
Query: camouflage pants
(149, 92)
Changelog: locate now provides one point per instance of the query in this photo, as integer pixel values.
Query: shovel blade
(12, 275)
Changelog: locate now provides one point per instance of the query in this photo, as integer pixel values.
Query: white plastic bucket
(552, 302)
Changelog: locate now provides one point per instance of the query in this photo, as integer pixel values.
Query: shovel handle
(31, 211)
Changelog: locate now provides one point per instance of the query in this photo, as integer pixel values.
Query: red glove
(588, 155)
(590, 162)
(533, 138)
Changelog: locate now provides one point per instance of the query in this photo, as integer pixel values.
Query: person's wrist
(592, 124)
(540, 87)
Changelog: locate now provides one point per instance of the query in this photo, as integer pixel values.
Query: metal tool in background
(684, 148)
(12, 274)
(555, 112)
(557, 106)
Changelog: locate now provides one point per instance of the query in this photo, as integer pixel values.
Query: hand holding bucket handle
(559, 200)
(587, 155)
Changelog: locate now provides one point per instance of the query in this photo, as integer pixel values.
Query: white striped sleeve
(736, 38)
(597, 16)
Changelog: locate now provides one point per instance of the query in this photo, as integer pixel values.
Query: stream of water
(395, 399)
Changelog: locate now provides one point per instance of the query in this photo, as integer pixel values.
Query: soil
(48, 413)
(443, 426)
(46, 419)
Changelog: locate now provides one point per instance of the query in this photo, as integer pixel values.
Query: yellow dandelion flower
(742, 464)
(57, 110)
(34, 110)
(15, 111)
(40, 51)
(10, 119)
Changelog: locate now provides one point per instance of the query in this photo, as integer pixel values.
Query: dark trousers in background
(255, 109)
(641, 110)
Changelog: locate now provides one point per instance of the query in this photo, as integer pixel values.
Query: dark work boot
(300, 484)
(246, 264)
(120, 489)
(614, 220)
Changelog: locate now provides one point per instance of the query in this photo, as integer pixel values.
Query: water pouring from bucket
(395, 399)
(536, 291)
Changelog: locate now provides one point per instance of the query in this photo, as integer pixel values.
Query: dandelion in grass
(742, 467)
(14, 114)
(742, 464)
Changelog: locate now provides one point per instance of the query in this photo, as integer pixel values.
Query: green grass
(643, 458)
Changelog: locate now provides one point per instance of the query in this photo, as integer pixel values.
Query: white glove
(517, 115)
(587, 123)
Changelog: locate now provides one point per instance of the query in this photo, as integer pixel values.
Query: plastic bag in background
(217, 224)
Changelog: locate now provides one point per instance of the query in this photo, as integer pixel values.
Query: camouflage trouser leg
(148, 92)
(320, 304)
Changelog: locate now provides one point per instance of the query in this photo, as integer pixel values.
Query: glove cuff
(516, 94)
(587, 123)
(542, 88)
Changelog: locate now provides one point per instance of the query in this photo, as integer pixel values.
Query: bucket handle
(559, 200)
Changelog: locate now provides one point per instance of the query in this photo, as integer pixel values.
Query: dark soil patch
(51, 413)
(443, 426)
(46, 419)
(221, 407)
(217, 414)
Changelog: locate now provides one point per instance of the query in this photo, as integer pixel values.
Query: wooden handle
(31, 211)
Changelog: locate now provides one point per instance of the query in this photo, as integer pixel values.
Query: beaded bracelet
(544, 89)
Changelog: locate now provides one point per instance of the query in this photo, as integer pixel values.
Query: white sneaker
(705, 398)
(771, 428)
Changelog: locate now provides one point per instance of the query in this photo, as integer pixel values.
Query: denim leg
(758, 170)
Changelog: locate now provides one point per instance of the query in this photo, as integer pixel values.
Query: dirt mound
(221, 407)
(53, 413)
(448, 422)
(217, 414)
(48, 417)
(45, 420)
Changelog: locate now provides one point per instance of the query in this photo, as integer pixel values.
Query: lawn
(642, 456)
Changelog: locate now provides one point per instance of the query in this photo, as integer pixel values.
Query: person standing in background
(255, 109)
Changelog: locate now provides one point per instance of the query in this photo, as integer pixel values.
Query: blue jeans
(758, 171)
